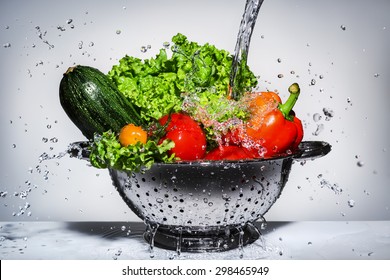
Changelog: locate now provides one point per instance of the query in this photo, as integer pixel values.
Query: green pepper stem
(286, 107)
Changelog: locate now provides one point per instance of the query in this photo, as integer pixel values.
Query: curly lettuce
(156, 85)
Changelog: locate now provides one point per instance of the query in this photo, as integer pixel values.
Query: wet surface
(121, 240)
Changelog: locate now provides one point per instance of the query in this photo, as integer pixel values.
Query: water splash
(151, 229)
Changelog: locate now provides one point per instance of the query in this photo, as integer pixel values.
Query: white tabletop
(364, 240)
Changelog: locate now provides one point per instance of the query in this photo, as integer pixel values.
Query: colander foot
(213, 239)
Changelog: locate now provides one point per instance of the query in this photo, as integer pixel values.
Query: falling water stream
(241, 50)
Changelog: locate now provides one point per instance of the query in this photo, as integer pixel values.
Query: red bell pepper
(279, 130)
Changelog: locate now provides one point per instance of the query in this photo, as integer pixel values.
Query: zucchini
(93, 102)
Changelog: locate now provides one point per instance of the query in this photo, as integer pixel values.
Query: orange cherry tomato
(131, 134)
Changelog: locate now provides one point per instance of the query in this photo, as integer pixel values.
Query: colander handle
(312, 150)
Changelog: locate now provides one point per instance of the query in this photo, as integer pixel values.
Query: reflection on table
(124, 240)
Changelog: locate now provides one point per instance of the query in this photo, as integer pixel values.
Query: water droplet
(143, 49)
(329, 113)
(91, 44)
(321, 77)
(312, 82)
(334, 187)
(14, 146)
(376, 75)
(61, 28)
(351, 203)
(123, 228)
(80, 45)
(118, 32)
(166, 45)
(159, 200)
(280, 76)
(279, 60)
(343, 27)
(7, 45)
(320, 128)
(360, 163)
(317, 117)
(48, 126)
(69, 21)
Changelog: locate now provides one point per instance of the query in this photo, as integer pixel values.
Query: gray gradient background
(306, 35)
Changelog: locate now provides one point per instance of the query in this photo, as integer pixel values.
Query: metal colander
(208, 205)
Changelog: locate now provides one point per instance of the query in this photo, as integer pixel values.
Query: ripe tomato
(180, 121)
(189, 138)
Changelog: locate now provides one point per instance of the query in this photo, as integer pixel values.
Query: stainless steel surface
(204, 205)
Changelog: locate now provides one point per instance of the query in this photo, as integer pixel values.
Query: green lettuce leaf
(107, 152)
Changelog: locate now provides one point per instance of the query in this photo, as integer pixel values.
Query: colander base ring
(205, 240)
